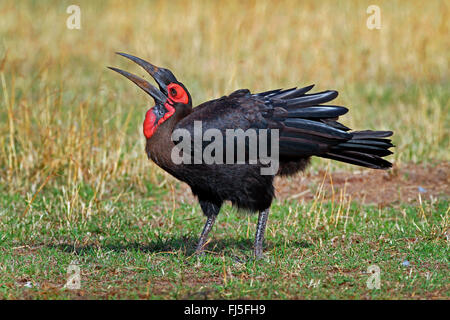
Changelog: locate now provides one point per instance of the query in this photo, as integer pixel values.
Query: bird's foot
(258, 253)
(238, 260)
(199, 252)
(260, 258)
(200, 248)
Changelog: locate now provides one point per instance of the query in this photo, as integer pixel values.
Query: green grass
(75, 182)
(140, 248)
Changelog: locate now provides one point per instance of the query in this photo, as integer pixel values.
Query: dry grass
(71, 146)
(63, 115)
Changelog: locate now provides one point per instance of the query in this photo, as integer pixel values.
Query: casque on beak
(162, 110)
(162, 76)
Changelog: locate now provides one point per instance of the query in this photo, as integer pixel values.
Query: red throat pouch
(151, 122)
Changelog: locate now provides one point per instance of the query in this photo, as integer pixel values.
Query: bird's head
(171, 98)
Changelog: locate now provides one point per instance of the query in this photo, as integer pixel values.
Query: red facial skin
(176, 95)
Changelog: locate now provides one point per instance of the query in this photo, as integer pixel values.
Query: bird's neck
(159, 146)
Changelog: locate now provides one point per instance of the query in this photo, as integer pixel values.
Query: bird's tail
(365, 149)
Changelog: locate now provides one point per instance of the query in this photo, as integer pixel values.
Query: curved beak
(144, 85)
(162, 76)
(162, 110)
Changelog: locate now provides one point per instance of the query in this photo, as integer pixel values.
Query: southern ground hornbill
(305, 127)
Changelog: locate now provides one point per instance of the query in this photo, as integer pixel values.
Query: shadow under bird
(306, 127)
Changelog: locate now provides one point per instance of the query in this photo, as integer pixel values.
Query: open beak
(162, 76)
(159, 97)
(162, 110)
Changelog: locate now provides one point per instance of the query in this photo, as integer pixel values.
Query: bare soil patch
(397, 185)
(400, 184)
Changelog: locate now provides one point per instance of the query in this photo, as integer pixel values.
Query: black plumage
(306, 125)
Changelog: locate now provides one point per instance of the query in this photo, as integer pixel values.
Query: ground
(383, 188)
(315, 248)
(78, 193)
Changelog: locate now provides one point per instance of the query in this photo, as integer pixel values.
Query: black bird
(305, 125)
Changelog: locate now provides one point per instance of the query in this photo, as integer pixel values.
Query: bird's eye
(177, 93)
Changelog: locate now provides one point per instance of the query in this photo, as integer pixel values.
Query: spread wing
(306, 125)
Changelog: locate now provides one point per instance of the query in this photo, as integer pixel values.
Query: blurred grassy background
(68, 122)
(75, 182)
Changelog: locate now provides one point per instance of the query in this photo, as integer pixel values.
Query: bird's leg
(211, 210)
(260, 230)
(206, 229)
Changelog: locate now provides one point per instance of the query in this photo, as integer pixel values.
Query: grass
(75, 182)
(143, 249)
